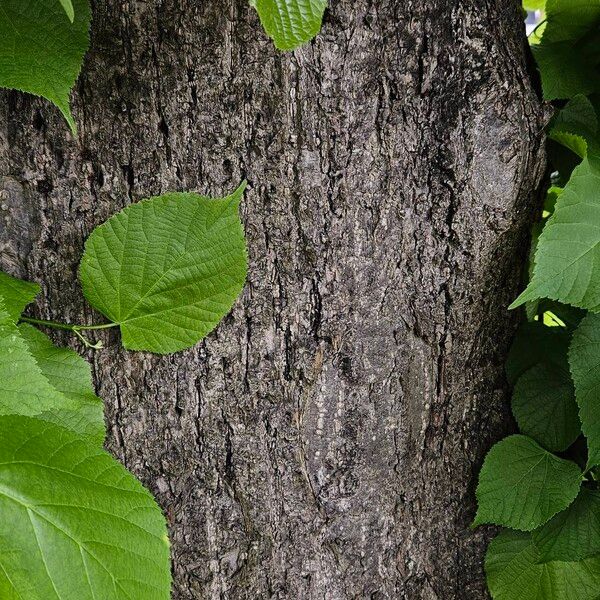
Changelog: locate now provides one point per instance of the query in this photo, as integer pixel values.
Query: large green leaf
(41, 51)
(574, 533)
(74, 524)
(167, 269)
(514, 572)
(567, 55)
(584, 358)
(567, 260)
(522, 486)
(290, 23)
(544, 407)
(68, 373)
(17, 294)
(24, 389)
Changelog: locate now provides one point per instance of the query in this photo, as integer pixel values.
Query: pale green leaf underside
(41, 52)
(167, 269)
(74, 524)
(68, 373)
(584, 359)
(24, 389)
(573, 534)
(544, 407)
(567, 260)
(17, 294)
(514, 572)
(522, 486)
(290, 23)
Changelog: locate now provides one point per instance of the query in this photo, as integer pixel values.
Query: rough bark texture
(324, 441)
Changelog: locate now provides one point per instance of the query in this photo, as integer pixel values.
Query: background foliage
(543, 485)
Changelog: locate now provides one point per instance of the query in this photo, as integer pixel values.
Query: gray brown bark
(324, 442)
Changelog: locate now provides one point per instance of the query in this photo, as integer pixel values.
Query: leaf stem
(67, 326)
(76, 329)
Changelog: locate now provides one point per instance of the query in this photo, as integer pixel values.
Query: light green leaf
(567, 260)
(290, 23)
(41, 52)
(167, 269)
(17, 294)
(514, 573)
(576, 127)
(68, 373)
(544, 407)
(584, 358)
(536, 344)
(574, 533)
(74, 524)
(25, 391)
(522, 486)
(68, 6)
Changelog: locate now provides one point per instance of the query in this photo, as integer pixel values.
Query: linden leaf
(73, 522)
(290, 23)
(24, 389)
(167, 269)
(567, 259)
(514, 572)
(583, 358)
(68, 373)
(574, 533)
(17, 294)
(41, 52)
(522, 486)
(544, 407)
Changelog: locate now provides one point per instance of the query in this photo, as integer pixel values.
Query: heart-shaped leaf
(167, 269)
(17, 294)
(522, 486)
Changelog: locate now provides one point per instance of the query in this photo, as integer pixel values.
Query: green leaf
(167, 269)
(68, 373)
(567, 55)
(576, 127)
(567, 260)
(574, 533)
(41, 52)
(74, 524)
(24, 389)
(514, 572)
(17, 294)
(68, 6)
(290, 23)
(522, 486)
(584, 358)
(544, 407)
(536, 344)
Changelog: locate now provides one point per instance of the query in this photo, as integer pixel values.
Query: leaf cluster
(75, 523)
(542, 484)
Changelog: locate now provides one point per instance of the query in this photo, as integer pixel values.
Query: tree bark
(325, 441)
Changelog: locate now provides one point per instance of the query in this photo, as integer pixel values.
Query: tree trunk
(325, 441)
